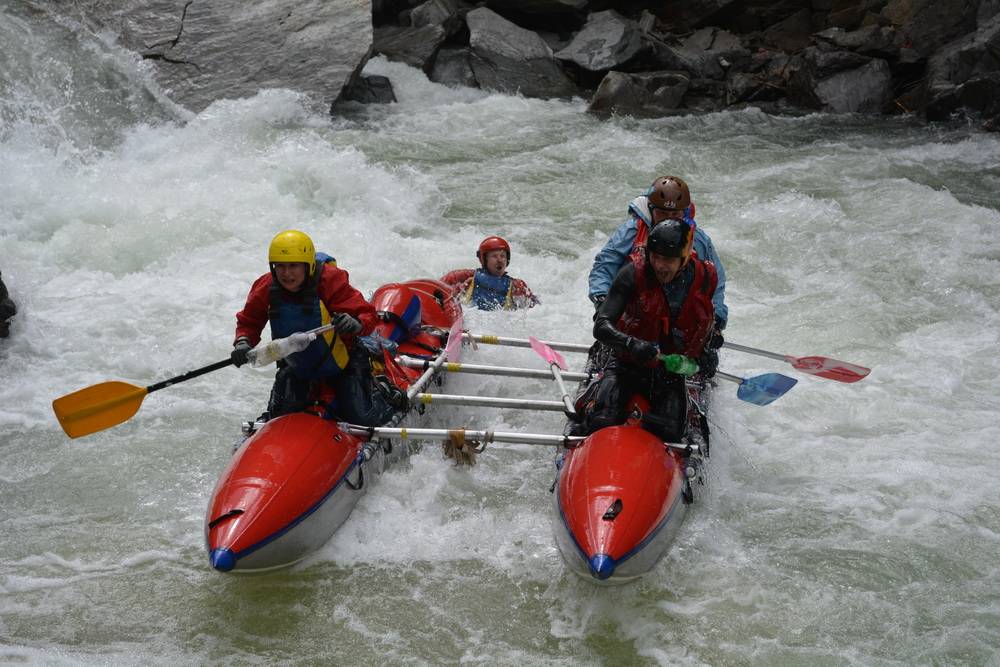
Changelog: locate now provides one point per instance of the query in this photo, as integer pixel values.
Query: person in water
(7, 309)
(490, 287)
(661, 302)
(302, 291)
(668, 198)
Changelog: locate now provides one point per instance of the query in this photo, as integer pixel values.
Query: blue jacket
(614, 254)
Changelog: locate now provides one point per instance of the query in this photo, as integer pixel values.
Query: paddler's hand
(715, 341)
(642, 350)
(240, 351)
(598, 302)
(345, 324)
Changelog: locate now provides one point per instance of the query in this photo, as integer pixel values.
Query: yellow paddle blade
(98, 407)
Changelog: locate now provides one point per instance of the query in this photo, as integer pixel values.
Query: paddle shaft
(477, 369)
(491, 402)
(754, 350)
(190, 375)
(487, 339)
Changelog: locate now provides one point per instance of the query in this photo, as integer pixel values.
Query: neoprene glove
(345, 324)
(240, 350)
(642, 350)
(716, 340)
(708, 363)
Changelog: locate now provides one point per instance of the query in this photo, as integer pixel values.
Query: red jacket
(334, 290)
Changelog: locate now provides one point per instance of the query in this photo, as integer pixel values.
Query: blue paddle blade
(764, 389)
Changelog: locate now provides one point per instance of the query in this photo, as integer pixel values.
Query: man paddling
(490, 287)
(659, 303)
(300, 294)
(668, 198)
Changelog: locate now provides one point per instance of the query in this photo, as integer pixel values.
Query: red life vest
(647, 315)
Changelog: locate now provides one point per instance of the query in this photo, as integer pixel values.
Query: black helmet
(671, 238)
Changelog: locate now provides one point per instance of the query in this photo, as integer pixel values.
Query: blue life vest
(489, 292)
(290, 313)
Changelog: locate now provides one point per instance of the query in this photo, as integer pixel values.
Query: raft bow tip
(222, 560)
(602, 566)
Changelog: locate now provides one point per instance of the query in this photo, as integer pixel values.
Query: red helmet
(492, 243)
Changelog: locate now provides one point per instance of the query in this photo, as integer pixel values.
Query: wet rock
(369, 90)
(792, 33)
(647, 94)
(607, 41)
(415, 46)
(873, 40)
(508, 58)
(537, 6)
(205, 51)
(866, 89)
(926, 25)
(453, 67)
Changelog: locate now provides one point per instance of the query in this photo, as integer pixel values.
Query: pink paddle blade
(453, 349)
(547, 353)
(831, 369)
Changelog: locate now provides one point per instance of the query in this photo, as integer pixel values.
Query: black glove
(345, 324)
(642, 350)
(708, 363)
(240, 350)
(598, 302)
(716, 340)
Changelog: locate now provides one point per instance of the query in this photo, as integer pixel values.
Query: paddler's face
(496, 262)
(660, 214)
(290, 275)
(665, 268)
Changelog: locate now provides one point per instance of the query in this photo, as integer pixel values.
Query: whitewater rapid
(843, 524)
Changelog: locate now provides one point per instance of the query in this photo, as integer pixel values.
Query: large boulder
(508, 58)
(972, 56)
(866, 89)
(926, 25)
(607, 41)
(205, 51)
(415, 46)
(841, 81)
(537, 6)
(453, 67)
(643, 95)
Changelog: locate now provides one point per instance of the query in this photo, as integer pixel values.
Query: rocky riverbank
(939, 59)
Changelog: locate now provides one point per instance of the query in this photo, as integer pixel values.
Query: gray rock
(413, 46)
(871, 40)
(434, 12)
(972, 56)
(508, 58)
(792, 33)
(695, 13)
(926, 25)
(607, 41)
(866, 89)
(453, 67)
(205, 51)
(710, 52)
(369, 90)
(645, 95)
(537, 6)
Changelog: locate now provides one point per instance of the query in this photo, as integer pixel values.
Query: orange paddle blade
(98, 407)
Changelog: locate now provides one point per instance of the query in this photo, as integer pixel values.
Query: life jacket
(326, 356)
(642, 226)
(647, 314)
(489, 292)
